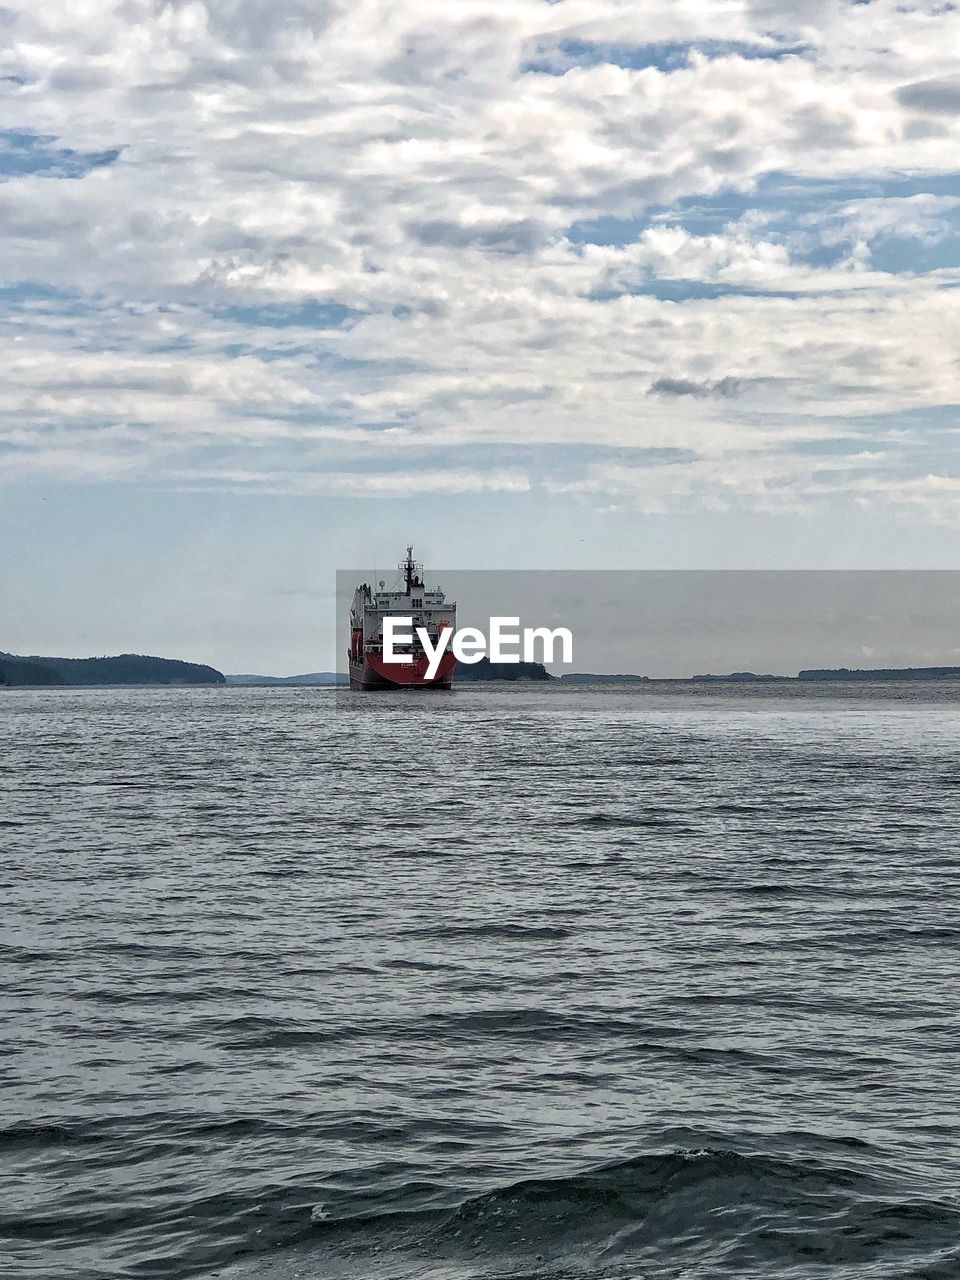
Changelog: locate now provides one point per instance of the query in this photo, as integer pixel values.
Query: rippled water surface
(515, 982)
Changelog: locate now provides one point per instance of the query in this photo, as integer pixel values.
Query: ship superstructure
(427, 607)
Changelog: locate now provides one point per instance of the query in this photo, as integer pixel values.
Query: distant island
(882, 673)
(475, 672)
(743, 675)
(814, 673)
(124, 668)
(590, 677)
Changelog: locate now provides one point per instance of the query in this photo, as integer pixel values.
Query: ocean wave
(601, 820)
(475, 1025)
(704, 1211)
(506, 930)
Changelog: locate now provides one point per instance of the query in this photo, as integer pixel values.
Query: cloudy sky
(631, 283)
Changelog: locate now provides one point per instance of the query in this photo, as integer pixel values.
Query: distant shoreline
(131, 669)
(503, 673)
(805, 676)
(139, 671)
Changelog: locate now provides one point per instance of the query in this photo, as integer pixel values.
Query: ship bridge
(427, 606)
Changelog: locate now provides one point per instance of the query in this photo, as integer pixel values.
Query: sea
(521, 981)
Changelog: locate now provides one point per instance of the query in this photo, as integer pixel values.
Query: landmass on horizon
(123, 668)
(137, 669)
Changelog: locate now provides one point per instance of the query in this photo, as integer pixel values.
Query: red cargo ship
(428, 608)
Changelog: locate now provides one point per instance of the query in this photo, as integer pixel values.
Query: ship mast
(409, 568)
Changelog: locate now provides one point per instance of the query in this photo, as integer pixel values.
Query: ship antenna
(408, 567)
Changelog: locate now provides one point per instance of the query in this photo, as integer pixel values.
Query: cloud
(508, 237)
(764, 481)
(361, 484)
(941, 97)
(725, 388)
(314, 240)
(923, 217)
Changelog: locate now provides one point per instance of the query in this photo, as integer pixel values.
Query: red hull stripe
(410, 673)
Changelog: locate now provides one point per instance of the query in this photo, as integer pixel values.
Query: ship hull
(374, 673)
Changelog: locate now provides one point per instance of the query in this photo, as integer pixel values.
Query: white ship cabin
(428, 607)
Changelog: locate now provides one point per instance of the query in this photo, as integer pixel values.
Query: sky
(569, 285)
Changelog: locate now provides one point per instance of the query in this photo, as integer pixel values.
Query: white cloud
(362, 484)
(400, 160)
